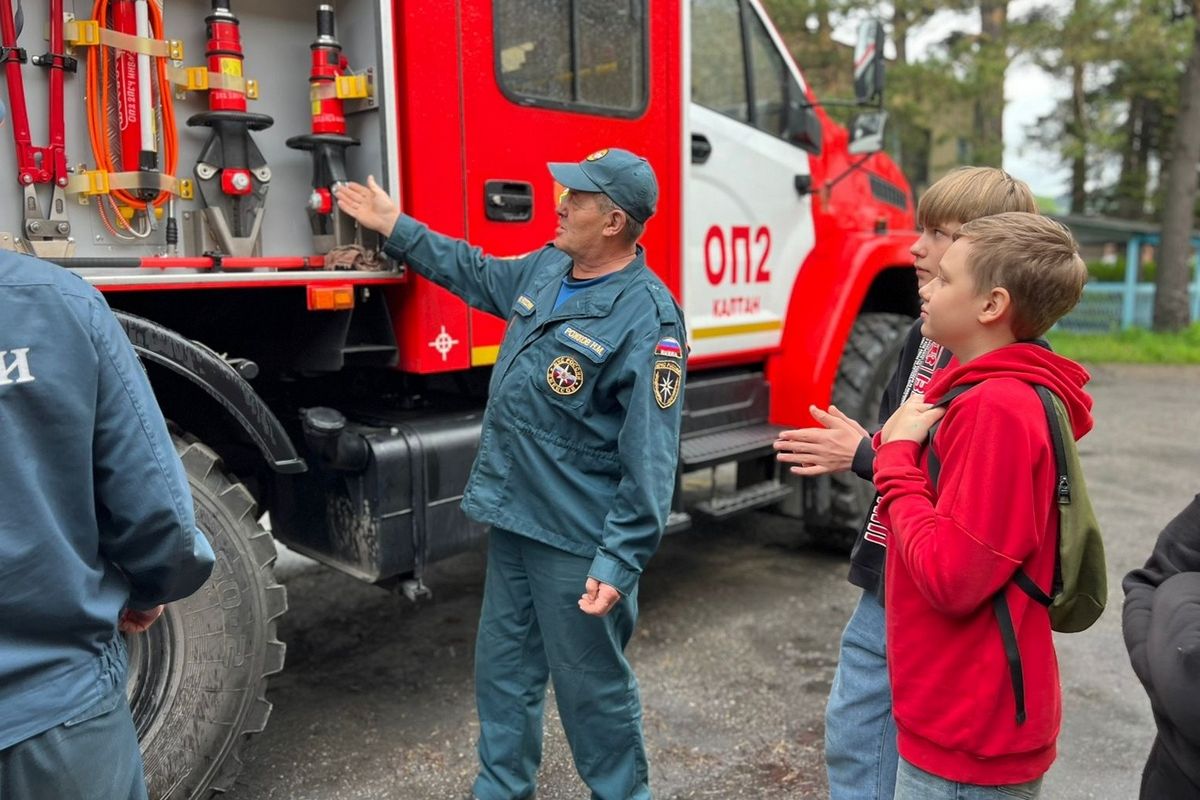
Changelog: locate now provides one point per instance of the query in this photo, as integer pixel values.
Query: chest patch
(668, 378)
(565, 375)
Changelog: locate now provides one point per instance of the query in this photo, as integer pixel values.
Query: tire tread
(205, 466)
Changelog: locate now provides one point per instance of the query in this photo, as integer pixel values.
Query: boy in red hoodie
(1005, 280)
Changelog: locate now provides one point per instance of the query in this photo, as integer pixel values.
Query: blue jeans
(914, 783)
(860, 733)
(93, 756)
(531, 630)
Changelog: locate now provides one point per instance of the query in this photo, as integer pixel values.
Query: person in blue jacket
(96, 527)
(576, 466)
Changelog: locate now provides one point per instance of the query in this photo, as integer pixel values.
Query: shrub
(1115, 273)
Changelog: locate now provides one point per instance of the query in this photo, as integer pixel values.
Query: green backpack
(1080, 589)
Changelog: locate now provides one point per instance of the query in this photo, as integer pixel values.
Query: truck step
(738, 444)
(757, 496)
(369, 348)
(678, 522)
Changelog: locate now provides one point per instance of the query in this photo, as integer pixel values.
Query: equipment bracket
(199, 79)
(90, 182)
(89, 33)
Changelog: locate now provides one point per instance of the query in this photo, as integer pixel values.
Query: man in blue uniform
(576, 466)
(96, 525)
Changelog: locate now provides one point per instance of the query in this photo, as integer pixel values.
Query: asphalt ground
(735, 650)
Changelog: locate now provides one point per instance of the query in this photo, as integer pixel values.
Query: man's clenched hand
(138, 621)
(598, 599)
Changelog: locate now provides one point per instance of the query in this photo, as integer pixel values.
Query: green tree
(989, 65)
(1152, 51)
(1121, 59)
(1074, 47)
(1171, 308)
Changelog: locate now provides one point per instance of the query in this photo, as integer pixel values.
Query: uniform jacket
(920, 358)
(1161, 621)
(953, 547)
(580, 436)
(96, 511)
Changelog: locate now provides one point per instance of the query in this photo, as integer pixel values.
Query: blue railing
(1109, 307)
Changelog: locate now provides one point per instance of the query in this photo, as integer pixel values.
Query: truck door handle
(701, 148)
(508, 201)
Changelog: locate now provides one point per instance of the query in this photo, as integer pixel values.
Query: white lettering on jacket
(19, 364)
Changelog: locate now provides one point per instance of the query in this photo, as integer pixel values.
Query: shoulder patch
(668, 380)
(668, 346)
(524, 305)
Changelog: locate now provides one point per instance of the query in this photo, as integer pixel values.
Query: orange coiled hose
(100, 113)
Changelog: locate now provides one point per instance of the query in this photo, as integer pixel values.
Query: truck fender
(826, 298)
(208, 371)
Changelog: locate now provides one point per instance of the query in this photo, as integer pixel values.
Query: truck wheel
(197, 678)
(867, 363)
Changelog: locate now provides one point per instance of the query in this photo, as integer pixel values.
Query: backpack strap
(1012, 654)
(1063, 482)
(1062, 493)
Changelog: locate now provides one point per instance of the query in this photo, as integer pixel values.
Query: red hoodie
(952, 549)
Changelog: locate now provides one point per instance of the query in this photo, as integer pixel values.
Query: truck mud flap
(207, 370)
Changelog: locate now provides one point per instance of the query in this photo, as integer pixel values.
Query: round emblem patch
(565, 376)
(599, 154)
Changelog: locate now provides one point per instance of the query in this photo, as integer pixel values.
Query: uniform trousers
(93, 756)
(531, 629)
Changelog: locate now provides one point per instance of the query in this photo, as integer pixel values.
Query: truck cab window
(770, 78)
(737, 70)
(718, 58)
(585, 55)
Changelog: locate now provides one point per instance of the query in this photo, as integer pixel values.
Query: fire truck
(181, 159)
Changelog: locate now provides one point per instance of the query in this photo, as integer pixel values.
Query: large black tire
(867, 364)
(197, 678)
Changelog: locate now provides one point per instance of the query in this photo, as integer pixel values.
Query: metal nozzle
(325, 22)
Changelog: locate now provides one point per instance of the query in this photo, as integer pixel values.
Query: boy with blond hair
(860, 734)
(964, 729)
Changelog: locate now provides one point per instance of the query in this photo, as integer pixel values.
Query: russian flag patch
(668, 346)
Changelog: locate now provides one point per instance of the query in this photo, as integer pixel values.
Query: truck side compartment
(381, 496)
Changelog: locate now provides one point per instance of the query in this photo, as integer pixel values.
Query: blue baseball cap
(627, 179)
